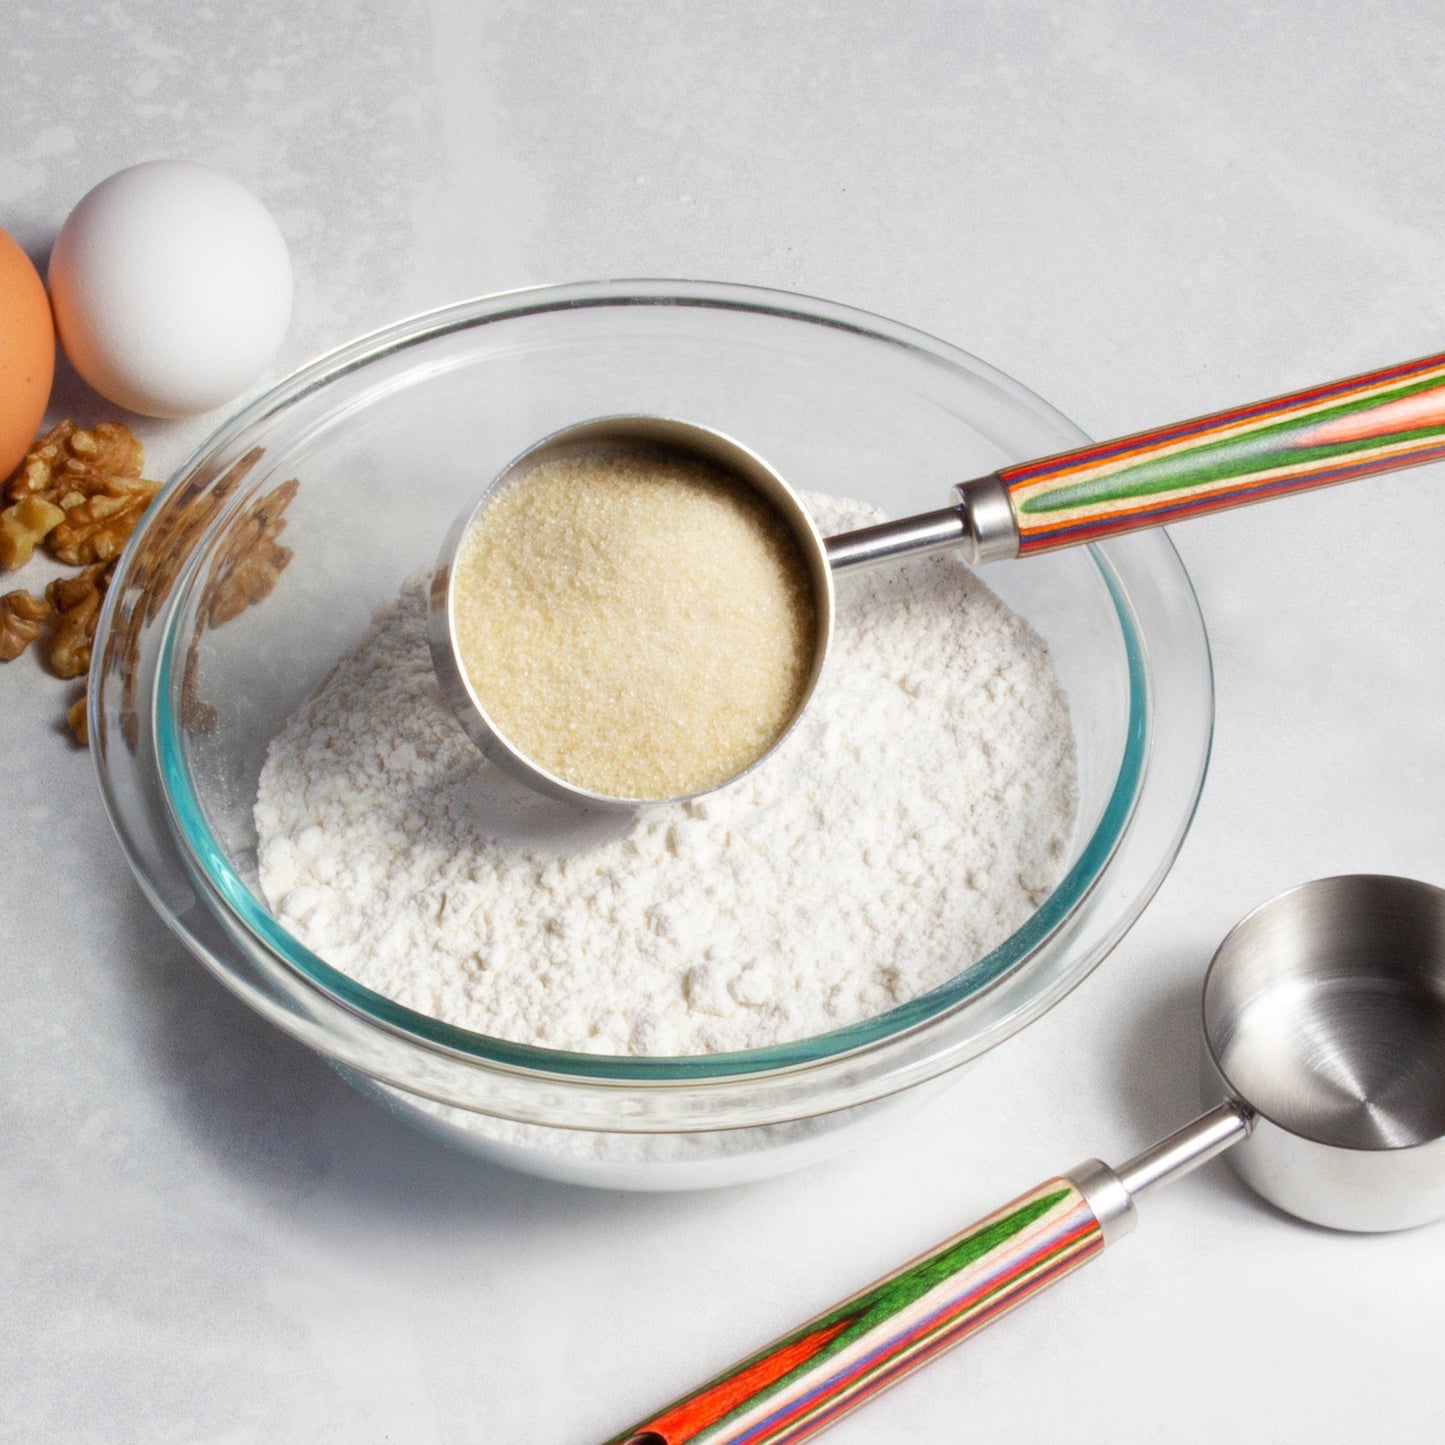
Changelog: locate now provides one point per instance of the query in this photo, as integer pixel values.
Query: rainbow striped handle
(1345, 429)
(803, 1382)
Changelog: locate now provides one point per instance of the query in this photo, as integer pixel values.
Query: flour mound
(914, 819)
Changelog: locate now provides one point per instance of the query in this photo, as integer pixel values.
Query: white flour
(914, 819)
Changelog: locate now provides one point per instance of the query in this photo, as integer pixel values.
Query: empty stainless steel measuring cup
(1324, 1029)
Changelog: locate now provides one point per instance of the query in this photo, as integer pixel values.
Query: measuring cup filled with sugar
(638, 609)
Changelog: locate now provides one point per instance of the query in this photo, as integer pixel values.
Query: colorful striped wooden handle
(803, 1382)
(1372, 423)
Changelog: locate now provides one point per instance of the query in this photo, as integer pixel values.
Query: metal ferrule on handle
(980, 524)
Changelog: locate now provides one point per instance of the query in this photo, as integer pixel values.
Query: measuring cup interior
(1324, 1012)
(1327, 1012)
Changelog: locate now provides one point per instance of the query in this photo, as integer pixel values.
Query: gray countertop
(1141, 211)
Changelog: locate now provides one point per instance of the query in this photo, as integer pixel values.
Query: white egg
(171, 286)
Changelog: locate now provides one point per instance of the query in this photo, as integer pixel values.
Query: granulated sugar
(915, 817)
(638, 622)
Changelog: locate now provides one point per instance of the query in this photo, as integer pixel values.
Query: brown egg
(27, 353)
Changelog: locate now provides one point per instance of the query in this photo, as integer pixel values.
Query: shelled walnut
(96, 528)
(23, 526)
(77, 602)
(80, 493)
(76, 716)
(22, 615)
(69, 461)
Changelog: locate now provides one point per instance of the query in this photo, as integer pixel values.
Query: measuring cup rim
(1413, 888)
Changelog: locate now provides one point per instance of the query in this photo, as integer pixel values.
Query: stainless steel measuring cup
(1376, 422)
(610, 435)
(1324, 1030)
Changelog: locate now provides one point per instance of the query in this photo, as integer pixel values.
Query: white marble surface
(1141, 210)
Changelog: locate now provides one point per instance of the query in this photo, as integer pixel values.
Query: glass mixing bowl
(388, 438)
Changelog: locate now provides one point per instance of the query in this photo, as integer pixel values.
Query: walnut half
(22, 615)
(79, 491)
(23, 526)
(77, 605)
(69, 460)
(95, 528)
